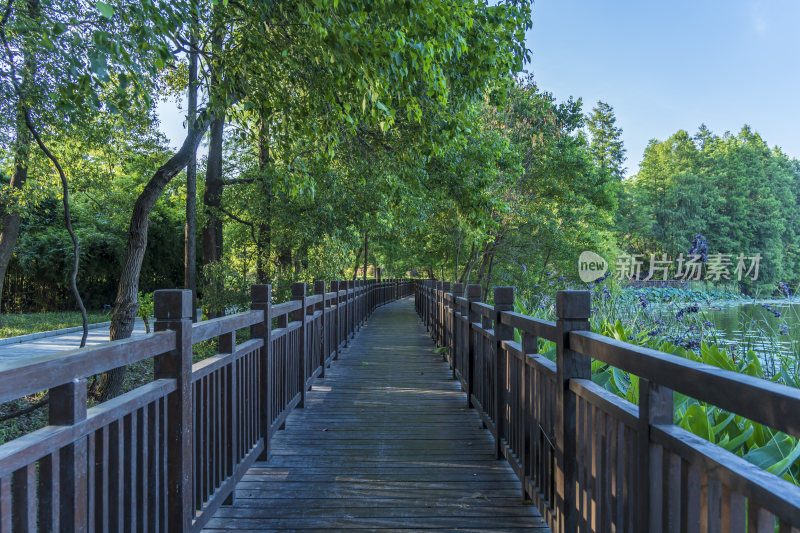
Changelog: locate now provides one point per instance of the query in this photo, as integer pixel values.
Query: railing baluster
(455, 321)
(261, 296)
(299, 294)
(655, 407)
(319, 289)
(573, 309)
(503, 301)
(68, 407)
(473, 295)
(173, 310)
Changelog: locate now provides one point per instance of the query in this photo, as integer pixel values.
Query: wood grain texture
(384, 442)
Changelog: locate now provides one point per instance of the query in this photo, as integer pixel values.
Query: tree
(190, 228)
(733, 189)
(324, 68)
(606, 145)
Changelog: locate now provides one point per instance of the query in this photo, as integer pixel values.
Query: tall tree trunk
(212, 198)
(366, 255)
(355, 266)
(212, 194)
(544, 266)
(126, 303)
(285, 260)
(484, 254)
(465, 274)
(265, 227)
(190, 230)
(9, 213)
(459, 239)
(488, 278)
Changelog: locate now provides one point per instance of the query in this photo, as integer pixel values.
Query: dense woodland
(401, 136)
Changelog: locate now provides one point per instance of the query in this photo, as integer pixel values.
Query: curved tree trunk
(126, 303)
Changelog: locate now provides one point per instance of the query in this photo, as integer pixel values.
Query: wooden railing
(592, 461)
(164, 456)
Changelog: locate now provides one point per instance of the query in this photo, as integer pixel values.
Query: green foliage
(735, 190)
(145, 309)
(606, 141)
(225, 288)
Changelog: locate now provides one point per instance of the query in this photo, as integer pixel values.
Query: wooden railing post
(173, 310)
(348, 285)
(439, 302)
(432, 309)
(429, 295)
(337, 317)
(530, 346)
(67, 407)
(299, 294)
(261, 298)
(473, 295)
(503, 301)
(573, 309)
(455, 335)
(655, 407)
(443, 312)
(319, 288)
(356, 304)
(359, 305)
(423, 297)
(345, 316)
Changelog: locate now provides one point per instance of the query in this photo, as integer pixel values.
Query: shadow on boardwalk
(385, 442)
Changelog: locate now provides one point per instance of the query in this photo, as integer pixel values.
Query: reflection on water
(754, 326)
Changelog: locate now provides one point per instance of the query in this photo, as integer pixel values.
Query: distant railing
(166, 455)
(592, 461)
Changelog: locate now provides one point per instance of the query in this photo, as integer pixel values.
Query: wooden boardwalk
(385, 442)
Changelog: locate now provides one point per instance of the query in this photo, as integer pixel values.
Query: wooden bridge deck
(385, 442)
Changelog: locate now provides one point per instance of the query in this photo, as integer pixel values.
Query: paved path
(385, 442)
(58, 343)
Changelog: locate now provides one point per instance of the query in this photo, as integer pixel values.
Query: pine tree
(606, 147)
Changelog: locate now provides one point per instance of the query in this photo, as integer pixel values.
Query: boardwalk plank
(384, 443)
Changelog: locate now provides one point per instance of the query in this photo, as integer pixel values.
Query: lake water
(753, 326)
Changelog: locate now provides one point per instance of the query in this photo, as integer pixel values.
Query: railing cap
(504, 295)
(172, 304)
(298, 289)
(261, 293)
(474, 291)
(573, 305)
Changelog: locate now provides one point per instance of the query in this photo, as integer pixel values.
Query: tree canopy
(344, 138)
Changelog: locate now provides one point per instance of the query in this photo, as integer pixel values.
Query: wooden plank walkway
(385, 442)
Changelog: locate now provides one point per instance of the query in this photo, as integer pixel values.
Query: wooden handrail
(590, 460)
(168, 453)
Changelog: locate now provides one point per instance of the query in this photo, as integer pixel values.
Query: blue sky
(666, 66)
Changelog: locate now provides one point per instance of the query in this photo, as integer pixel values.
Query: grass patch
(25, 323)
(137, 374)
